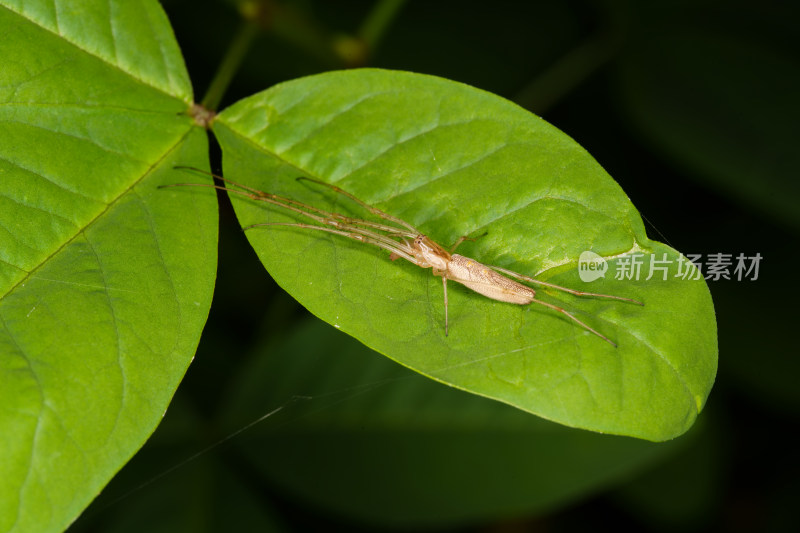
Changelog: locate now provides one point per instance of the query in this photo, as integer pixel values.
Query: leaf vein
(92, 142)
(35, 436)
(108, 206)
(115, 322)
(93, 53)
(334, 116)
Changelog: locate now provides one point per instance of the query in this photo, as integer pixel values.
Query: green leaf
(453, 161)
(105, 280)
(382, 445)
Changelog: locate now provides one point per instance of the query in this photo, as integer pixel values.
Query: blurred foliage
(690, 106)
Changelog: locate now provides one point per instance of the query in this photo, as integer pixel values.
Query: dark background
(692, 106)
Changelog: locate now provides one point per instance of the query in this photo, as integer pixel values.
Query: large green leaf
(378, 443)
(105, 280)
(455, 161)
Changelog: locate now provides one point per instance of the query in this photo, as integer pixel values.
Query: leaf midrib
(99, 215)
(99, 58)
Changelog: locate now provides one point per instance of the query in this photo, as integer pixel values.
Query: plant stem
(566, 74)
(577, 65)
(379, 18)
(230, 64)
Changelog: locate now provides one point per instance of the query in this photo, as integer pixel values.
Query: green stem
(566, 74)
(230, 64)
(580, 63)
(379, 19)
